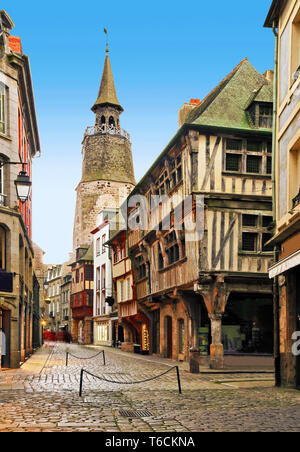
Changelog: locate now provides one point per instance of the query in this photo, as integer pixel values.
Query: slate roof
(226, 105)
(107, 93)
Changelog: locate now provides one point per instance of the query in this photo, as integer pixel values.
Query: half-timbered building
(82, 295)
(133, 329)
(211, 290)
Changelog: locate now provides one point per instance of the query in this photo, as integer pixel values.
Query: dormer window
(261, 114)
(265, 116)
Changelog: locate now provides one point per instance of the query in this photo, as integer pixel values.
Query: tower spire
(107, 93)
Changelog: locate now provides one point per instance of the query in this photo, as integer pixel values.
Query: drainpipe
(274, 204)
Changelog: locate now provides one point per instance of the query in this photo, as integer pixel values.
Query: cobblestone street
(43, 396)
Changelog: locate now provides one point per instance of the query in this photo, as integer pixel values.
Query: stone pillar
(216, 348)
(194, 360)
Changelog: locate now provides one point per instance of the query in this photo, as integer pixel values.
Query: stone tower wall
(92, 197)
(107, 157)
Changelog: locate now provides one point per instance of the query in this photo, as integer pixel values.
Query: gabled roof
(7, 21)
(226, 105)
(274, 13)
(107, 93)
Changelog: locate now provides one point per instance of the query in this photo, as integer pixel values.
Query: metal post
(67, 359)
(178, 380)
(104, 363)
(81, 381)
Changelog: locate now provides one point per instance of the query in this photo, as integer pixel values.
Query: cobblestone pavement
(43, 396)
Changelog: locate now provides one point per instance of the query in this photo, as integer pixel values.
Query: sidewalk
(234, 364)
(32, 366)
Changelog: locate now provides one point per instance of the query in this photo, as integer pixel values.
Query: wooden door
(169, 337)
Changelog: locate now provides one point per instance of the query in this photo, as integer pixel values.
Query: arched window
(2, 249)
(103, 120)
(111, 121)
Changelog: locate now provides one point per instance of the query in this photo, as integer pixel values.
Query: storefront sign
(145, 338)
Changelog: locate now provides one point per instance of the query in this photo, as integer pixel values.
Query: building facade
(19, 143)
(284, 18)
(133, 325)
(53, 282)
(65, 314)
(82, 295)
(209, 288)
(104, 317)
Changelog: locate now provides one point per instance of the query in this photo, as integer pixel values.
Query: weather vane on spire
(105, 31)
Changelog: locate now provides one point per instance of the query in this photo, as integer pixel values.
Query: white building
(105, 319)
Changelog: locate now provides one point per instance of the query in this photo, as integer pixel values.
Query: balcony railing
(2, 200)
(104, 129)
(296, 200)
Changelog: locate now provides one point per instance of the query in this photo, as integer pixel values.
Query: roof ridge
(198, 110)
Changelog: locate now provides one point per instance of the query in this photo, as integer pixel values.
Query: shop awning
(285, 264)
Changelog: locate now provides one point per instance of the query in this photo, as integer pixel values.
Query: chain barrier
(90, 357)
(129, 382)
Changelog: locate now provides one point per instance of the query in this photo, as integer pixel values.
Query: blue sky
(163, 53)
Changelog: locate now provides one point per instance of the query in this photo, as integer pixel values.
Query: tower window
(111, 121)
(103, 120)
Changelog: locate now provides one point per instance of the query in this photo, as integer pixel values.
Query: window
(172, 248)
(98, 247)
(234, 145)
(295, 49)
(141, 267)
(233, 162)
(77, 276)
(3, 108)
(254, 164)
(98, 278)
(267, 221)
(160, 258)
(103, 241)
(269, 165)
(2, 249)
(103, 277)
(254, 146)
(294, 179)
(249, 241)
(98, 307)
(250, 220)
(265, 238)
(2, 195)
(89, 273)
(128, 289)
(121, 290)
(255, 233)
(265, 116)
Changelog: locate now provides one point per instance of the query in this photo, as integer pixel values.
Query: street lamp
(22, 183)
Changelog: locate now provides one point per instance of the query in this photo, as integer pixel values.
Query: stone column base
(216, 356)
(194, 361)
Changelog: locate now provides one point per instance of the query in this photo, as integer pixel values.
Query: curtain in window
(2, 249)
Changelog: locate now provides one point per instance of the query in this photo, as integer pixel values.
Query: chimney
(186, 109)
(269, 74)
